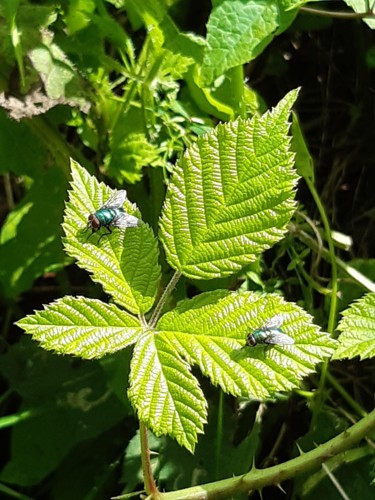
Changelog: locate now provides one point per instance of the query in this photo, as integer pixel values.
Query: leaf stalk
(148, 477)
(159, 307)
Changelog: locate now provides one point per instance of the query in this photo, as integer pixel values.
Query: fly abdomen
(107, 215)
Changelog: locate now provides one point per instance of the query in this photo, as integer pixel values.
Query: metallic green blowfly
(111, 214)
(269, 333)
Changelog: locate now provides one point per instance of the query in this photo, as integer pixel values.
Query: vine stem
(257, 479)
(159, 307)
(148, 477)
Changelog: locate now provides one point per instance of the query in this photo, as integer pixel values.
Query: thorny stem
(257, 479)
(159, 307)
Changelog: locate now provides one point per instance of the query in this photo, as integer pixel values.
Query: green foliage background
(131, 91)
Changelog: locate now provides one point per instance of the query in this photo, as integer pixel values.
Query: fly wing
(274, 322)
(116, 200)
(275, 337)
(124, 220)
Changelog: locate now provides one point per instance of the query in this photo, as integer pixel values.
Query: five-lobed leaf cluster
(230, 198)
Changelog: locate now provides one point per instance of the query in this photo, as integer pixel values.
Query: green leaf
(79, 15)
(188, 45)
(129, 156)
(22, 28)
(238, 31)
(56, 70)
(31, 235)
(357, 329)
(231, 195)
(87, 328)
(151, 11)
(360, 7)
(125, 263)
(25, 159)
(66, 403)
(304, 161)
(210, 331)
(166, 395)
(227, 99)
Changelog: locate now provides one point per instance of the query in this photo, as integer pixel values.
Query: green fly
(111, 214)
(269, 333)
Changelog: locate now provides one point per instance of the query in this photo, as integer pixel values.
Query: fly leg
(105, 234)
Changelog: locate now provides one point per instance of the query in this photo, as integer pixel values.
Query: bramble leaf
(360, 7)
(125, 263)
(165, 394)
(357, 329)
(231, 195)
(210, 331)
(87, 328)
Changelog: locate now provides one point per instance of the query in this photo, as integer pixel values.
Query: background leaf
(129, 157)
(231, 195)
(210, 331)
(303, 158)
(67, 403)
(357, 329)
(84, 327)
(27, 158)
(31, 235)
(125, 263)
(239, 31)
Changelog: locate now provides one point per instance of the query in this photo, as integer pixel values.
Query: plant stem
(334, 463)
(148, 478)
(335, 482)
(333, 304)
(257, 479)
(236, 76)
(345, 395)
(168, 289)
(8, 191)
(331, 249)
(219, 433)
(340, 15)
